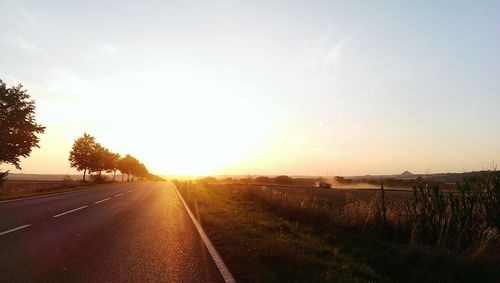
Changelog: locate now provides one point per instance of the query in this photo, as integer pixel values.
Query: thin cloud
(103, 51)
(325, 51)
(110, 49)
(21, 11)
(334, 55)
(20, 42)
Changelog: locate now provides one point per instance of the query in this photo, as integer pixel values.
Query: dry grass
(278, 234)
(345, 208)
(466, 221)
(13, 189)
(23, 186)
(263, 247)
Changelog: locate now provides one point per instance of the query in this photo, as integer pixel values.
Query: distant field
(22, 186)
(323, 192)
(43, 177)
(13, 189)
(51, 177)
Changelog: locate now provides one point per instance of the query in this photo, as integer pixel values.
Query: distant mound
(406, 174)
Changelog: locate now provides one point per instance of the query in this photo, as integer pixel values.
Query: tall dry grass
(465, 221)
(319, 209)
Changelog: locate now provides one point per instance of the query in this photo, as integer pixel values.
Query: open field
(269, 234)
(22, 186)
(44, 177)
(13, 189)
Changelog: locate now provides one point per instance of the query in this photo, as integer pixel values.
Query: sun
(198, 138)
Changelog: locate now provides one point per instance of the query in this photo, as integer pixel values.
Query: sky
(261, 87)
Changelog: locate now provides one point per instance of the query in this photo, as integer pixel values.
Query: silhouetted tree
(126, 166)
(262, 180)
(143, 171)
(135, 167)
(123, 167)
(283, 179)
(98, 159)
(18, 127)
(82, 153)
(112, 160)
(90, 156)
(209, 180)
(3, 176)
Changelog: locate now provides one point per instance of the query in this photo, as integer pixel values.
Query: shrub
(283, 180)
(462, 220)
(3, 177)
(99, 179)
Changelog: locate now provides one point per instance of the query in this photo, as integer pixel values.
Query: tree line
(18, 136)
(89, 156)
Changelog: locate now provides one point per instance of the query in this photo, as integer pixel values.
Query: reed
(465, 220)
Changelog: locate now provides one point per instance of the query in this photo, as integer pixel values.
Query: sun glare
(202, 136)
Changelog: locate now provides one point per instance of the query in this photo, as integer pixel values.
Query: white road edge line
(103, 200)
(14, 229)
(224, 271)
(69, 211)
(118, 195)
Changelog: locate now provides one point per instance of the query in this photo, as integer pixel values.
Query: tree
(18, 127)
(138, 169)
(89, 156)
(122, 167)
(142, 171)
(98, 159)
(283, 179)
(3, 176)
(131, 166)
(125, 165)
(263, 180)
(81, 155)
(112, 160)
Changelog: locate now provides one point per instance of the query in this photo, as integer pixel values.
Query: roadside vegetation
(89, 156)
(310, 234)
(14, 189)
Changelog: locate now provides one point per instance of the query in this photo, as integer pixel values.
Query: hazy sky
(261, 87)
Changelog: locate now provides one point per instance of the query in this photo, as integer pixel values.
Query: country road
(135, 232)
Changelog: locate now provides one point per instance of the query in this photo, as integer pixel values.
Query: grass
(261, 247)
(292, 235)
(32, 188)
(466, 221)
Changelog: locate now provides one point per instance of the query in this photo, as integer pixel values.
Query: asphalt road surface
(136, 232)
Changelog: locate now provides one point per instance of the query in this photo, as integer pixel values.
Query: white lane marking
(103, 200)
(224, 271)
(69, 211)
(118, 195)
(14, 229)
(130, 191)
